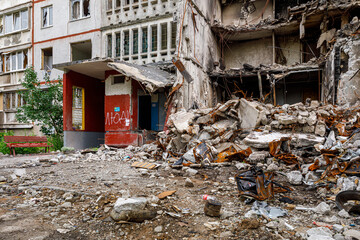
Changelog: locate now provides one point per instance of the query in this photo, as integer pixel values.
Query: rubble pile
(232, 124)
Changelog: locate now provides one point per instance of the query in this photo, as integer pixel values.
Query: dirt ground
(33, 205)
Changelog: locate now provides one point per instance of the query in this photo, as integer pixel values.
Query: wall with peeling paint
(240, 14)
(117, 89)
(254, 52)
(198, 52)
(349, 84)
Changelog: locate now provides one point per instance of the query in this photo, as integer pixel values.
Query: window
(78, 116)
(154, 38)
(12, 100)
(126, 43)
(118, 80)
(117, 3)
(47, 18)
(109, 45)
(15, 61)
(118, 45)
(135, 41)
(1, 24)
(81, 50)
(144, 40)
(164, 36)
(47, 59)
(15, 21)
(79, 9)
(108, 4)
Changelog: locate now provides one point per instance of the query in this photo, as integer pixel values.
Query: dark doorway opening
(145, 112)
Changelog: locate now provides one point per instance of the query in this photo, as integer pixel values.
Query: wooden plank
(24, 139)
(143, 165)
(165, 194)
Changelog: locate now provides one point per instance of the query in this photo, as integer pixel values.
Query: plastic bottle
(208, 197)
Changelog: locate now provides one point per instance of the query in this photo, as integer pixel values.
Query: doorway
(145, 112)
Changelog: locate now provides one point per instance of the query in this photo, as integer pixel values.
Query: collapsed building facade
(281, 52)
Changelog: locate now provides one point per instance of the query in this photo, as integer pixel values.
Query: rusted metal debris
(180, 66)
(280, 149)
(257, 184)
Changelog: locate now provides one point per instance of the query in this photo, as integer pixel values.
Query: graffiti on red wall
(115, 118)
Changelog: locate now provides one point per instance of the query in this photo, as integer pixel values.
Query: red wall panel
(117, 113)
(94, 101)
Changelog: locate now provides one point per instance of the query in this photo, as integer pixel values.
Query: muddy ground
(33, 191)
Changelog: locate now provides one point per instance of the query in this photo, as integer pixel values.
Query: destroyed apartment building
(280, 52)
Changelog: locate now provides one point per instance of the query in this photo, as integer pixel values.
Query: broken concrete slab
(182, 120)
(250, 114)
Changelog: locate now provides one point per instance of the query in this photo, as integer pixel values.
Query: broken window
(164, 36)
(7, 101)
(81, 51)
(86, 8)
(47, 59)
(75, 9)
(135, 41)
(47, 16)
(78, 116)
(25, 59)
(15, 61)
(144, 40)
(117, 45)
(126, 43)
(1, 25)
(80, 9)
(109, 45)
(154, 38)
(7, 63)
(173, 34)
(1, 63)
(109, 5)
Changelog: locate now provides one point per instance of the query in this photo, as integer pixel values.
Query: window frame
(8, 102)
(81, 10)
(21, 18)
(8, 61)
(43, 56)
(48, 18)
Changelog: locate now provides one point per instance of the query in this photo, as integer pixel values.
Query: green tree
(43, 103)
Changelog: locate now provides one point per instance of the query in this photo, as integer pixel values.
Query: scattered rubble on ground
(302, 181)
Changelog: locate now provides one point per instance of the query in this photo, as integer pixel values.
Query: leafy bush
(57, 141)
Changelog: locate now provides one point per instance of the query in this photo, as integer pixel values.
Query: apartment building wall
(15, 56)
(140, 32)
(198, 50)
(64, 32)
